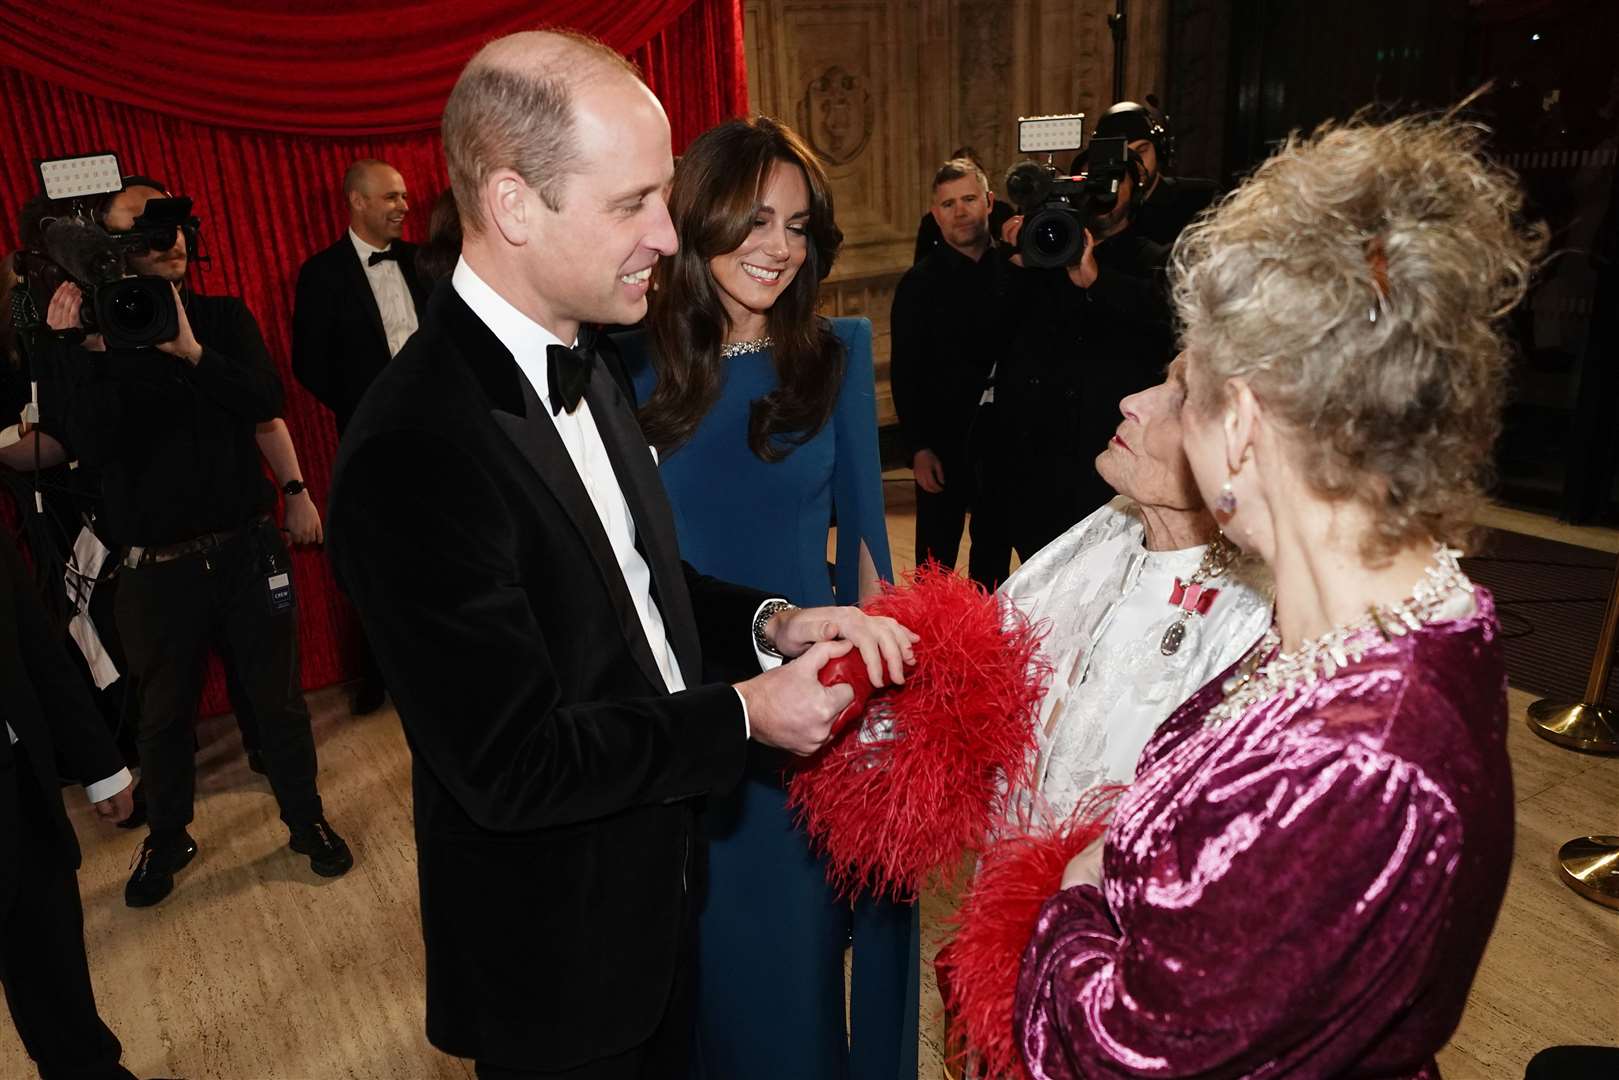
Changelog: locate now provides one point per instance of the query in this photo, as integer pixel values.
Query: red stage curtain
(367, 68)
(269, 198)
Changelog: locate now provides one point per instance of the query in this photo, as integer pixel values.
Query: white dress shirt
(527, 340)
(393, 295)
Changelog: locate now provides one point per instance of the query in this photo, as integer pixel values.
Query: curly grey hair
(1357, 282)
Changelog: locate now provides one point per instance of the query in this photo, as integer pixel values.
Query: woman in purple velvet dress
(1302, 878)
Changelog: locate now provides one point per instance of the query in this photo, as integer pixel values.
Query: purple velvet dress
(1304, 891)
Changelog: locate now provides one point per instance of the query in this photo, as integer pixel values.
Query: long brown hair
(713, 200)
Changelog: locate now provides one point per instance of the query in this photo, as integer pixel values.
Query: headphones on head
(190, 226)
(1133, 121)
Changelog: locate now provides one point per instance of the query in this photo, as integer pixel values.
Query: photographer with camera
(167, 398)
(1167, 204)
(1086, 323)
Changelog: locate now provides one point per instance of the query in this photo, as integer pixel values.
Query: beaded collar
(1285, 674)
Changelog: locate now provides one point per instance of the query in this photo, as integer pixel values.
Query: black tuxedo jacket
(338, 341)
(47, 703)
(553, 772)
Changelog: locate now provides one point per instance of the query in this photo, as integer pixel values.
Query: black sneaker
(328, 855)
(156, 863)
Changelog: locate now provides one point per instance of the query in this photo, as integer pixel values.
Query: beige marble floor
(255, 968)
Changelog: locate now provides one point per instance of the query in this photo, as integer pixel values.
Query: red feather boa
(902, 796)
(978, 970)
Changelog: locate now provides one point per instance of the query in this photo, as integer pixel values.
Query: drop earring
(1225, 502)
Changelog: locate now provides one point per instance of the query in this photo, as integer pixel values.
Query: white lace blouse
(1106, 599)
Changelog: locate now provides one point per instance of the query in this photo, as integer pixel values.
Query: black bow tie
(569, 371)
(382, 256)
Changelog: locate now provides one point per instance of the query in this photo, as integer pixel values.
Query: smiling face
(752, 277)
(1146, 459)
(591, 258)
(378, 204)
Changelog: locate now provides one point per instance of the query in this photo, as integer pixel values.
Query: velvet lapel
(649, 507)
(360, 285)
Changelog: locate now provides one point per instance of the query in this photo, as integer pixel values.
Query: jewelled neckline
(1285, 674)
(742, 348)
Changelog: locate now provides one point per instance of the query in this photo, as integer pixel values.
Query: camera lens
(132, 310)
(1053, 236)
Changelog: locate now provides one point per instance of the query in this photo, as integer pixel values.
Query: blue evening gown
(771, 934)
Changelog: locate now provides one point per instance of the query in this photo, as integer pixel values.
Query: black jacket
(176, 441)
(946, 335)
(553, 772)
(1071, 354)
(1171, 207)
(48, 704)
(338, 341)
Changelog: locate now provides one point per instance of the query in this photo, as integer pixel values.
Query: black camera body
(129, 311)
(1058, 209)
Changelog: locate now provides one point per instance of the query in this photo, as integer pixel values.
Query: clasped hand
(788, 707)
(66, 312)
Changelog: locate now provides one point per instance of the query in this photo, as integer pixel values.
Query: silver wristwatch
(767, 611)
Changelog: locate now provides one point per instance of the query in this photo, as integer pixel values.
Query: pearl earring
(1225, 502)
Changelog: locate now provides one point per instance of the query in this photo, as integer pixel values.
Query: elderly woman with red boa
(1302, 877)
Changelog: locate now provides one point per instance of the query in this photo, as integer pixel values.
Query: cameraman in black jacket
(1077, 340)
(187, 511)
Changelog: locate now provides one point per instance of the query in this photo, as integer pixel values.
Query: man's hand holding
(118, 807)
(788, 708)
(884, 644)
(185, 344)
(929, 471)
(66, 311)
(1085, 271)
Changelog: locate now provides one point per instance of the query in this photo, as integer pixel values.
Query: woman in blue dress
(764, 415)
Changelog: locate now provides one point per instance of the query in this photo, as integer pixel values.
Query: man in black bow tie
(358, 303)
(561, 675)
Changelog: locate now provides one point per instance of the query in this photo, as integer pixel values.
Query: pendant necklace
(1193, 596)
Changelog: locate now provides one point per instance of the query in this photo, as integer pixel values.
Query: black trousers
(168, 613)
(666, 1054)
(42, 963)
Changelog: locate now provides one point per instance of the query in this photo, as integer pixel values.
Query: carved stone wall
(885, 89)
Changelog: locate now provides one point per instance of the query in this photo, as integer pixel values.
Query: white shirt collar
(522, 336)
(363, 249)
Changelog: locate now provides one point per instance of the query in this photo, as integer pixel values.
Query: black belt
(145, 556)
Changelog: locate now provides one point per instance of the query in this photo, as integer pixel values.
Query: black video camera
(129, 311)
(1058, 209)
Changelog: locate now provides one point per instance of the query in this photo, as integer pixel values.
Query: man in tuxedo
(49, 717)
(357, 304)
(497, 517)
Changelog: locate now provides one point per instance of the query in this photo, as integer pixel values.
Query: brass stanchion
(1588, 725)
(1590, 866)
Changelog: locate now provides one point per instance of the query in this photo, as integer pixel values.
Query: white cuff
(102, 790)
(747, 725)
